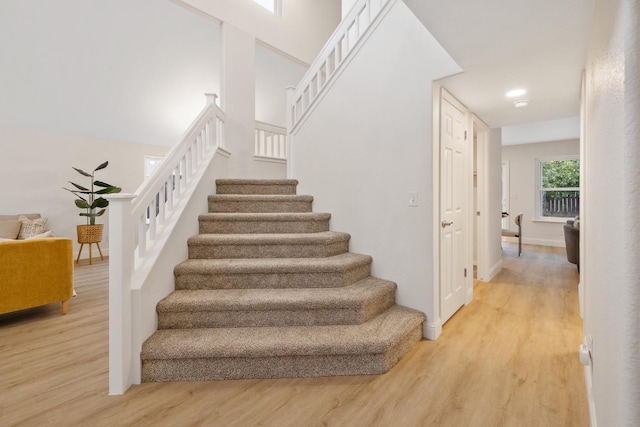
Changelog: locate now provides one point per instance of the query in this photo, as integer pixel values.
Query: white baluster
(163, 203)
(152, 218)
(142, 235)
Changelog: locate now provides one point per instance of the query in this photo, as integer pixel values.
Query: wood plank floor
(507, 359)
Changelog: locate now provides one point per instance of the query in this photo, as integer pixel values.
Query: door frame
(433, 327)
(481, 131)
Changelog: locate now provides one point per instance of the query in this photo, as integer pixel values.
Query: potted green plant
(90, 201)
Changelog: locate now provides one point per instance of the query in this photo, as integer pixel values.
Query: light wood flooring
(507, 359)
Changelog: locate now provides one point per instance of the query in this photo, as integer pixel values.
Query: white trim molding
(432, 330)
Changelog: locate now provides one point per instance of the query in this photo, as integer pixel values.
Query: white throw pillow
(41, 235)
(31, 227)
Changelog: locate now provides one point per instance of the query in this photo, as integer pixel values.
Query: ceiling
(538, 45)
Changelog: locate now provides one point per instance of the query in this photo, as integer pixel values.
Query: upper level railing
(139, 226)
(335, 53)
(270, 141)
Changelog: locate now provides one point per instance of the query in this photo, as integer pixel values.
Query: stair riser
(219, 251)
(245, 227)
(226, 368)
(279, 318)
(238, 319)
(272, 280)
(259, 207)
(256, 189)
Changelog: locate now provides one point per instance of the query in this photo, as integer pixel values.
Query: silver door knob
(446, 223)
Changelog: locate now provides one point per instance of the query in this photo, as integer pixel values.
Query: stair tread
(323, 237)
(336, 263)
(375, 336)
(351, 296)
(260, 197)
(264, 216)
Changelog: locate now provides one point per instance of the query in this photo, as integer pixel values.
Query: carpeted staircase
(269, 291)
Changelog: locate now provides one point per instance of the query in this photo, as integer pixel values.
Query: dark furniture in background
(572, 241)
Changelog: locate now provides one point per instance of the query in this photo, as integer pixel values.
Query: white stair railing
(155, 199)
(270, 141)
(139, 225)
(341, 46)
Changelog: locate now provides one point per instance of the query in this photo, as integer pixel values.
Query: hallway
(507, 359)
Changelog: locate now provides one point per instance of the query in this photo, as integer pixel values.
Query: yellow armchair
(35, 272)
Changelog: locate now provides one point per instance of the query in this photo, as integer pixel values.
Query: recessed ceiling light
(521, 103)
(515, 92)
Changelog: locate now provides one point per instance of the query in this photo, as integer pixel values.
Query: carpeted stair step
(307, 245)
(336, 271)
(259, 203)
(256, 186)
(244, 223)
(281, 352)
(232, 308)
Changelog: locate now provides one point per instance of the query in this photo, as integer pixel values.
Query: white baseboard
(495, 269)
(538, 242)
(431, 330)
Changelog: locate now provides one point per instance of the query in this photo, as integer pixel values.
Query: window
(273, 6)
(558, 187)
(150, 164)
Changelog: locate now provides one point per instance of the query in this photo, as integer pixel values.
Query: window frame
(539, 189)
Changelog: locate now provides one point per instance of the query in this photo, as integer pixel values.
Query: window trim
(538, 201)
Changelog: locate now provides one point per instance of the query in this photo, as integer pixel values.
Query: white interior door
(454, 148)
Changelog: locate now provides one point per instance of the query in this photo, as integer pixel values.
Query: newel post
(212, 98)
(212, 125)
(121, 246)
(290, 122)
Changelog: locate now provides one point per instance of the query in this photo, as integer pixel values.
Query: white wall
(369, 143)
(274, 73)
(494, 196)
(611, 272)
(119, 70)
(238, 97)
(35, 166)
(522, 186)
(300, 33)
(547, 130)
